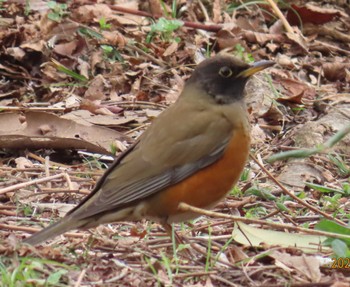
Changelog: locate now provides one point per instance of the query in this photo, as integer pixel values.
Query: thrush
(194, 152)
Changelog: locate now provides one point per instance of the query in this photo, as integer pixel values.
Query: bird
(193, 152)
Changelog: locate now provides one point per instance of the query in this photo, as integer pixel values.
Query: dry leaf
(96, 89)
(60, 133)
(309, 266)
(170, 49)
(70, 48)
(335, 71)
(217, 11)
(156, 8)
(296, 91)
(85, 117)
(22, 162)
(311, 14)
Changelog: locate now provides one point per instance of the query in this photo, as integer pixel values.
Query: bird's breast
(207, 186)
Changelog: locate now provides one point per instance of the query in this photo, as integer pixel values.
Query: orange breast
(207, 186)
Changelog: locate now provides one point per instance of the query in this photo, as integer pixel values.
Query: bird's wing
(161, 158)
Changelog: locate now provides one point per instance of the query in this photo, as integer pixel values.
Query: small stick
(47, 170)
(80, 278)
(281, 16)
(185, 207)
(33, 230)
(25, 184)
(37, 109)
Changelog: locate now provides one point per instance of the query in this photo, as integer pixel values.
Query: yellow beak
(256, 67)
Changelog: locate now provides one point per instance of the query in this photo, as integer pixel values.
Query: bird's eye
(225, 72)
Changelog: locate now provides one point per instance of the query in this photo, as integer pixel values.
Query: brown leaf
(83, 68)
(16, 52)
(311, 14)
(335, 71)
(92, 13)
(296, 91)
(262, 38)
(298, 38)
(273, 115)
(309, 266)
(236, 254)
(217, 11)
(39, 46)
(329, 32)
(115, 38)
(295, 173)
(135, 232)
(65, 49)
(96, 89)
(85, 117)
(22, 162)
(64, 30)
(156, 8)
(60, 133)
(171, 49)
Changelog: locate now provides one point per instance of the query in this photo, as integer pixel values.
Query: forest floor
(80, 81)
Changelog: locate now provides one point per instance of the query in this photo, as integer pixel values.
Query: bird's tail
(65, 224)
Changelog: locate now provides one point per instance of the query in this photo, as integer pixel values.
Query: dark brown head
(224, 77)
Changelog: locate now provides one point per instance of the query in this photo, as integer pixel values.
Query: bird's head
(223, 77)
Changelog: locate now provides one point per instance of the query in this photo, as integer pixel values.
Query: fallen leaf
(311, 14)
(59, 133)
(74, 47)
(296, 91)
(309, 266)
(22, 162)
(217, 11)
(86, 117)
(262, 38)
(171, 49)
(95, 90)
(115, 38)
(156, 8)
(16, 52)
(298, 38)
(249, 235)
(335, 71)
(295, 173)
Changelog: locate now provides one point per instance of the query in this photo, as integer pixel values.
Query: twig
(58, 190)
(286, 191)
(47, 170)
(24, 184)
(195, 274)
(223, 280)
(8, 213)
(33, 230)
(69, 182)
(205, 12)
(51, 164)
(281, 16)
(80, 278)
(186, 207)
(137, 104)
(37, 109)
